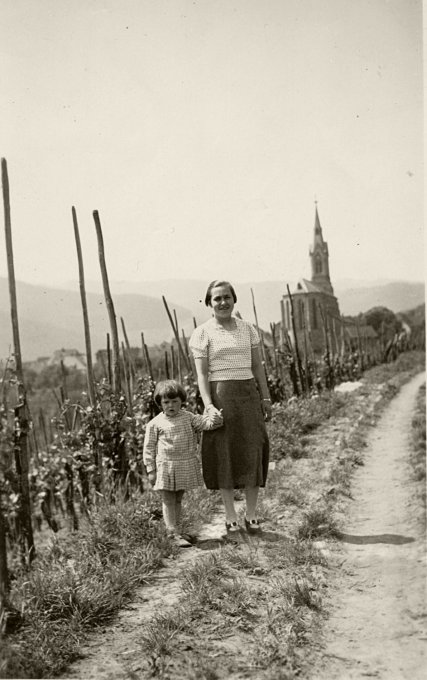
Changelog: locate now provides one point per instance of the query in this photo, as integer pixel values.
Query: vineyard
(57, 470)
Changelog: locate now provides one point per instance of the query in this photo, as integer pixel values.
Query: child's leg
(178, 506)
(169, 509)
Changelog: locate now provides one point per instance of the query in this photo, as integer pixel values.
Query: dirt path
(378, 625)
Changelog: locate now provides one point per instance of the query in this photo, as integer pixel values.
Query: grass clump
(81, 583)
(318, 521)
(211, 583)
(418, 457)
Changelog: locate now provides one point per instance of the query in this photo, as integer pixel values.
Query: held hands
(215, 415)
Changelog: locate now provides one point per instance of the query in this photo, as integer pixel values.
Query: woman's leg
(251, 502)
(169, 510)
(227, 496)
(178, 507)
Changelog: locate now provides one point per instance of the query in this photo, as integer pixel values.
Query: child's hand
(152, 477)
(212, 410)
(216, 419)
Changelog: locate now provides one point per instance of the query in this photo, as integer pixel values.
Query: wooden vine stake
(176, 334)
(21, 413)
(297, 354)
(89, 366)
(4, 575)
(110, 306)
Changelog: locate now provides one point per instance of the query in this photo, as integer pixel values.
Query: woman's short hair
(171, 389)
(216, 284)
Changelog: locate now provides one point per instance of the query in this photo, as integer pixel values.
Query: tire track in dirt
(378, 622)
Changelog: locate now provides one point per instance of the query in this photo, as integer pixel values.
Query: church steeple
(319, 256)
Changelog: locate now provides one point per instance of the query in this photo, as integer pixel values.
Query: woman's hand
(212, 410)
(266, 408)
(152, 477)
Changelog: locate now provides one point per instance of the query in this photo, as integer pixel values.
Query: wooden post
(167, 366)
(306, 362)
(173, 363)
(359, 345)
(342, 338)
(110, 375)
(299, 365)
(147, 357)
(175, 332)
(21, 422)
(89, 366)
(64, 380)
(4, 574)
(109, 304)
(130, 359)
(287, 344)
(127, 381)
(259, 332)
(188, 354)
(42, 423)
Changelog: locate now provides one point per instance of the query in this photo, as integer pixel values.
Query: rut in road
(378, 625)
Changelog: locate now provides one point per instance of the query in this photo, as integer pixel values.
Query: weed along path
(378, 625)
(294, 602)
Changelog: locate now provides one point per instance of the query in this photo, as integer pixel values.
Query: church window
(318, 265)
(301, 314)
(314, 314)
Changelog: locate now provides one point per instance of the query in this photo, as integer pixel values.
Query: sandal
(252, 525)
(182, 542)
(232, 527)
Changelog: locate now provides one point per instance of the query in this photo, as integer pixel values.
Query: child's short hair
(171, 389)
(216, 284)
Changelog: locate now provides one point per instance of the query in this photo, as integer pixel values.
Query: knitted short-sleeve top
(228, 351)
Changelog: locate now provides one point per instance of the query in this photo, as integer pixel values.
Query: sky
(203, 131)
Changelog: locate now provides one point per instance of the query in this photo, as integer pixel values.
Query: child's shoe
(232, 527)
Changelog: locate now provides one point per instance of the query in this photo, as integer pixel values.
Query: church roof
(306, 286)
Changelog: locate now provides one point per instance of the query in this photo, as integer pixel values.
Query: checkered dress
(170, 448)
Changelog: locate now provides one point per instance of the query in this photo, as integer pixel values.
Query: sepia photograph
(212, 340)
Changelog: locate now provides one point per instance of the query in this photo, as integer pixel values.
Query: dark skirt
(236, 455)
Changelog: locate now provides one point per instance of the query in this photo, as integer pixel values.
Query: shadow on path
(238, 539)
(391, 539)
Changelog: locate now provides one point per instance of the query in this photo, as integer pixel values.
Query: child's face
(171, 406)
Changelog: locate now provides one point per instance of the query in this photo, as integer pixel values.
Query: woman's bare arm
(259, 375)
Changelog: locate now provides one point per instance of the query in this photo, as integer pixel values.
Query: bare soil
(377, 627)
(376, 595)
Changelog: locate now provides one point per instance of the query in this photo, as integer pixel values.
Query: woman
(231, 378)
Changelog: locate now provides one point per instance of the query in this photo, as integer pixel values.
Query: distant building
(71, 358)
(38, 364)
(315, 308)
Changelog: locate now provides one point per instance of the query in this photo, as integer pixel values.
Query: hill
(354, 296)
(51, 318)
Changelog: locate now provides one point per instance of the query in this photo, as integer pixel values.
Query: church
(315, 309)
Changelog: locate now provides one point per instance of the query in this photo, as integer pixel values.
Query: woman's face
(222, 302)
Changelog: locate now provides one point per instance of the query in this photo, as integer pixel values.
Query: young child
(170, 451)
